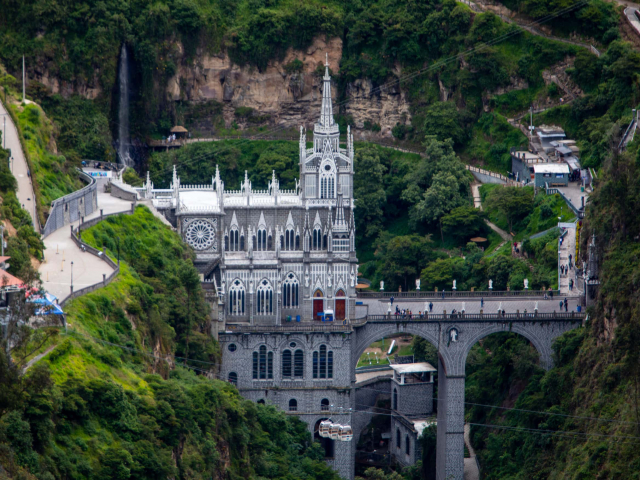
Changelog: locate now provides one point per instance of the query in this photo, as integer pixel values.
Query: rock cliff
(289, 96)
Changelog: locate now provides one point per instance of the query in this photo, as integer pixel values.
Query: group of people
(170, 139)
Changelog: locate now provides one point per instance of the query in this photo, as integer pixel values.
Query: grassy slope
(118, 402)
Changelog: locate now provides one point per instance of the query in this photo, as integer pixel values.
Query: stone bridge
(453, 337)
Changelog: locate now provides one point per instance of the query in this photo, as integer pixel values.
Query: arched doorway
(340, 312)
(318, 303)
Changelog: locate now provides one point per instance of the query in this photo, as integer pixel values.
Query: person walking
(566, 304)
(570, 258)
(550, 293)
(561, 303)
(430, 307)
(561, 269)
(570, 284)
(481, 302)
(392, 300)
(443, 293)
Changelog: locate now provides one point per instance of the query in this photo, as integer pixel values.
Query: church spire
(326, 115)
(340, 224)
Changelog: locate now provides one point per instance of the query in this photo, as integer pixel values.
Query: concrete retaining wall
(123, 191)
(72, 207)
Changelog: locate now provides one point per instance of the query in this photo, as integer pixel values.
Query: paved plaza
(381, 306)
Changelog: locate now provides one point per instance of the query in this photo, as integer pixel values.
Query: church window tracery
(236, 298)
(290, 289)
(262, 364)
(265, 298)
(323, 363)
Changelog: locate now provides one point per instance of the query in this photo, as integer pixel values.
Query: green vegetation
(108, 403)
(26, 243)
(54, 175)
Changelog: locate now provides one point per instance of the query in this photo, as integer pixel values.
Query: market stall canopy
(478, 239)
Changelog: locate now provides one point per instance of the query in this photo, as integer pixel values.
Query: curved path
(471, 471)
(19, 166)
(60, 251)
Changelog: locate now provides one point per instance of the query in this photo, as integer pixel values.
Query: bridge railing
(458, 294)
(479, 317)
(308, 327)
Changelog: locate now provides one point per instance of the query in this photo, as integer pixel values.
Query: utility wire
(220, 377)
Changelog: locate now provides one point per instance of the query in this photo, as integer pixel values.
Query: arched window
(398, 439)
(281, 242)
(261, 402)
(327, 183)
(324, 404)
(265, 298)
(407, 445)
(286, 364)
(297, 242)
(233, 240)
(395, 399)
(226, 243)
(262, 364)
(262, 240)
(317, 239)
(233, 378)
(290, 289)
(324, 242)
(293, 405)
(323, 363)
(236, 298)
(298, 364)
(242, 245)
(289, 239)
(270, 243)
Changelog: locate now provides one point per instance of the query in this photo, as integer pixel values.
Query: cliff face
(290, 99)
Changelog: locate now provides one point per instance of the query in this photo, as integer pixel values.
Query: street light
(72, 276)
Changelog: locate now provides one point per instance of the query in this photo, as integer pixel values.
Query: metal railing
(307, 327)
(101, 254)
(457, 294)
(550, 191)
(479, 317)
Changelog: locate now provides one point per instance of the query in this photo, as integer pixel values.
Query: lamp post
(72, 276)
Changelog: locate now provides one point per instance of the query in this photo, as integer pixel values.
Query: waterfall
(124, 141)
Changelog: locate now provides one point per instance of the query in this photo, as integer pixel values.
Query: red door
(340, 305)
(318, 304)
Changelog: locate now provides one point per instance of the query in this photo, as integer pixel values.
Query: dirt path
(37, 358)
(471, 471)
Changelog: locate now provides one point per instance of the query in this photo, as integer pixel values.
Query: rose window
(200, 235)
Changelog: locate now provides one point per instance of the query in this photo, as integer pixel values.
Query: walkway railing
(457, 294)
(348, 326)
(550, 191)
(101, 254)
(480, 317)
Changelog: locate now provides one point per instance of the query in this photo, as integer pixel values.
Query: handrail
(101, 254)
(458, 294)
(478, 317)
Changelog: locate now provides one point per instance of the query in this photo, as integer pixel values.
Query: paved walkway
(88, 269)
(573, 193)
(567, 248)
(630, 13)
(11, 141)
(381, 306)
(471, 471)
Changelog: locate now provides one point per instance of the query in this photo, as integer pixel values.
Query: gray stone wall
(367, 393)
(414, 398)
(407, 434)
(123, 191)
(72, 207)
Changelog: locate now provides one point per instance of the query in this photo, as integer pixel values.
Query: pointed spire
(217, 178)
(175, 177)
(326, 115)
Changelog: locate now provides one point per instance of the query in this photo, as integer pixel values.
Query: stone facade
(277, 255)
(258, 364)
(404, 445)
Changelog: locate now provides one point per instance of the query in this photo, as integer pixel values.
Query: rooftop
(413, 368)
(551, 168)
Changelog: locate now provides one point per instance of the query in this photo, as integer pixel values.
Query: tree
(438, 274)
(463, 222)
(514, 203)
(368, 191)
(443, 120)
(401, 258)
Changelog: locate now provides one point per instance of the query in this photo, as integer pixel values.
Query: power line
(220, 377)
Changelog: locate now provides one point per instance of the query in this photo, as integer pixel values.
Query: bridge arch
(540, 339)
(373, 332)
